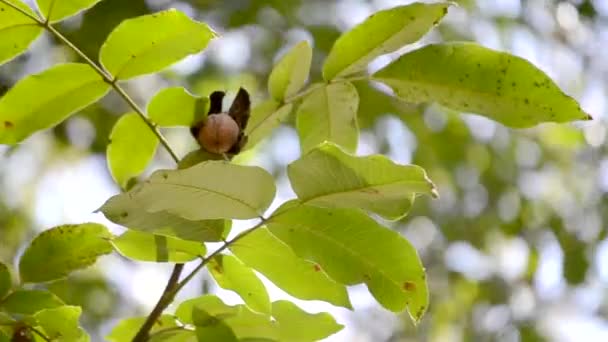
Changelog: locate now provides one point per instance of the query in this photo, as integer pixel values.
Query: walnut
(223, 132)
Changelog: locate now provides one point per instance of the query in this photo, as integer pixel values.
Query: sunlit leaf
(196, 157)
(353, 248)
(230, 274)
(264, 119)
(209, 328)
(471, 78)
(58, 251)
(132, 214)
(211, 313)
(291, 72)
(297, 325)
(150, 43)
(300, 278)
(383, 32)
(174, 335)
(61, 324)
(60, 91)
(56, 10)
(158, 248)
(5, 280)
(175, 106)
(28, 302)
(17, 31)
(209, 190)
(126, 329)
(329, 177)
(132, 146)
(329, 113)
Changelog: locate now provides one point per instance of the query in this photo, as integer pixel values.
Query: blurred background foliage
(515, 248)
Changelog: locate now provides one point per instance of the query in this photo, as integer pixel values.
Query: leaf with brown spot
(56, 252)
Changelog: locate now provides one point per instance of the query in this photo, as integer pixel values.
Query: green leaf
(132, 214)
(300, 278)
(197, 157)
(211, 329)
(61, 324)
(211, 304)
(353, 248)
(297, 325)
(150, 247)
(126, 329)
(265, 117)
(329, 113)
(60, 91)
(329, 177)
(150, 43)
(383, 32)
(58, 251)
(209, 190)
(291, 72)
(56, 10)
(5, 319)
(132, 146)
(175, 106)
(177, 335)
(28, 302)
(17, 31)
(211, 313)
(471, 78)
(5, 280)
(230, 274)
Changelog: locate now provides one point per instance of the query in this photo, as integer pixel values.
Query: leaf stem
(170, 292)
(113, 82)
(104, 75)
(163, 302)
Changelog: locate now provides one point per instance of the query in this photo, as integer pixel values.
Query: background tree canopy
(515, 248)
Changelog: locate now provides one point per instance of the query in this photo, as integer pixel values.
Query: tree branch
(169, 292)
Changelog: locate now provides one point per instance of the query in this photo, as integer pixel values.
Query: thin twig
(163, 302)
(206, 260)
(168, 294)
(113, 82)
